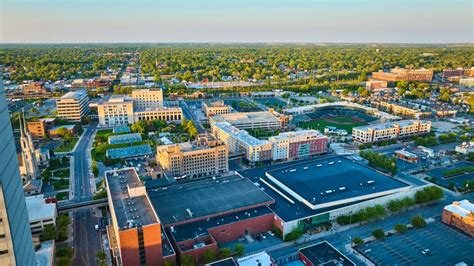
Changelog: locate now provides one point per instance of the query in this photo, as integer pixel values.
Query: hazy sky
(418, 21)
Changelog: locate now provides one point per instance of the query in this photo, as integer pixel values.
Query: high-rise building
(73, 105)
(147, 98)
(29, 166)
(16, 245)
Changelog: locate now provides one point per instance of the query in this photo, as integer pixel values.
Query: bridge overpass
(65, 207)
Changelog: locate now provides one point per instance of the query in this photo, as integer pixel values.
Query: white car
(96, 227)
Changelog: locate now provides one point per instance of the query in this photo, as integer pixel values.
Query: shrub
(294, 234)
(400, 228)
(358, 241)
(378, 233)
(239, 249)
(418, 221)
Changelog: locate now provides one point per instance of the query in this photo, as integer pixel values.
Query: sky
(342, 21)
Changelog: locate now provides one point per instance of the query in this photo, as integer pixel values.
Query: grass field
(67, 146)
(341, 122)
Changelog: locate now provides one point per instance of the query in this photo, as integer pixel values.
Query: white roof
(38, 209)
(263, 258)
(463, 208)
(45, 255)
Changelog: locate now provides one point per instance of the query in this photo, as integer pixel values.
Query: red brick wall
(233, 231)
(197, 253)
(457, 221)
(129, 247)
(304, 259)
(153, 247)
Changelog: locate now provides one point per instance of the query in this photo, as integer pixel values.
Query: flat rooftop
(207, 198)
(294, 210)
(38, 209)
(125, 138)
(127, 152)
(77, 95)
(333, 181)
(200, 228)
(131, 208)
(324, 253)
(247, 117)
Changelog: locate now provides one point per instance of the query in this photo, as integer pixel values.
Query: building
(73, 106)
(215, 108)
(323, 253)
(45, 254)
(40, 213)
(261, 258)
(29, 166)
(57, 131)
(465, 147)
(270, 120)
(38, 128)
(458, 72)
(402, 110)
(135, 234)
(298, 144)
(16, 246)
(119, 110)
(240, 141)
(407, 156)
(390, 131)
(402, 74)
(375, 85)
(34, 88)
(147, 98)
(460, 214)
(204, 157)
(466, 82)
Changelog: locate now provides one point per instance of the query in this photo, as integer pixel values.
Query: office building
(135, 234)
(460, 214)
(204, 157)
(38, 128)
(215, 108)
(298, 144)
(270, 120)
(73, 106)
(16, 245)
(147, 98)
(402, 74)
(390, 131)
(29, 166)
(40, 213)
(119, 110)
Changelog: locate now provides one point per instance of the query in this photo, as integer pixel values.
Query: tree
(400, 228)
(225, 253)
(239, 249)
(101, 256)
(49, 232)
(294, 234)
(187, 260)
(95, 169)
(358, 241)
(378, 233)
(209, 255)
(418, 221)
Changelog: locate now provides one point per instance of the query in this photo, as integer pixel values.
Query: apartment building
(119, 110)
(402, 74)
(206, 156)
(298, 144)
(73, 106)
(389, 131)
(458, 72)
(240, 141)
(147, 98)
(135, 234)
(40, 213)
(460, 214)
(401, 110)
(215, 108)
(270, 120)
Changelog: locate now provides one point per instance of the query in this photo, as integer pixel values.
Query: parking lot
(457, 180)
(447, 246)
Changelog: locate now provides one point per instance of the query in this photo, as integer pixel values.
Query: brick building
(460, 214)
(402, 74)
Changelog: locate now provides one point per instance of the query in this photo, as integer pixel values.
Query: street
(86, 240)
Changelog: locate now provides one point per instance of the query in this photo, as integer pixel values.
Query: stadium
(335, 116)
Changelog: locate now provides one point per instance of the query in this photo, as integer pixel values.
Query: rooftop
(121, 129)
(198, 200)
(225, 262)
(463, 208)
(125, 138)
(296, 134)
(333, 181)
(200, 228)
(381, 126)
(38, 209)
(70, 127)
(77, 95)
(132, 151)
(324, 253)
(45, 255)
(242, 135)
(261, 258)
(248, 117)
(130, 202)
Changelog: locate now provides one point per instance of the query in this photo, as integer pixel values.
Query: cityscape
(203, 147)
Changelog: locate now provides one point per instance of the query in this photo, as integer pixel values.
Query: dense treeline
(195, 62)
(380, 160)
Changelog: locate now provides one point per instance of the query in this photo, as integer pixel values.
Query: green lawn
(62, 173)
(60, 184)
(62, 196)
(67, 146)
(340, 122)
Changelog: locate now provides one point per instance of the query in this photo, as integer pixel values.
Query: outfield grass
(340, 122)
